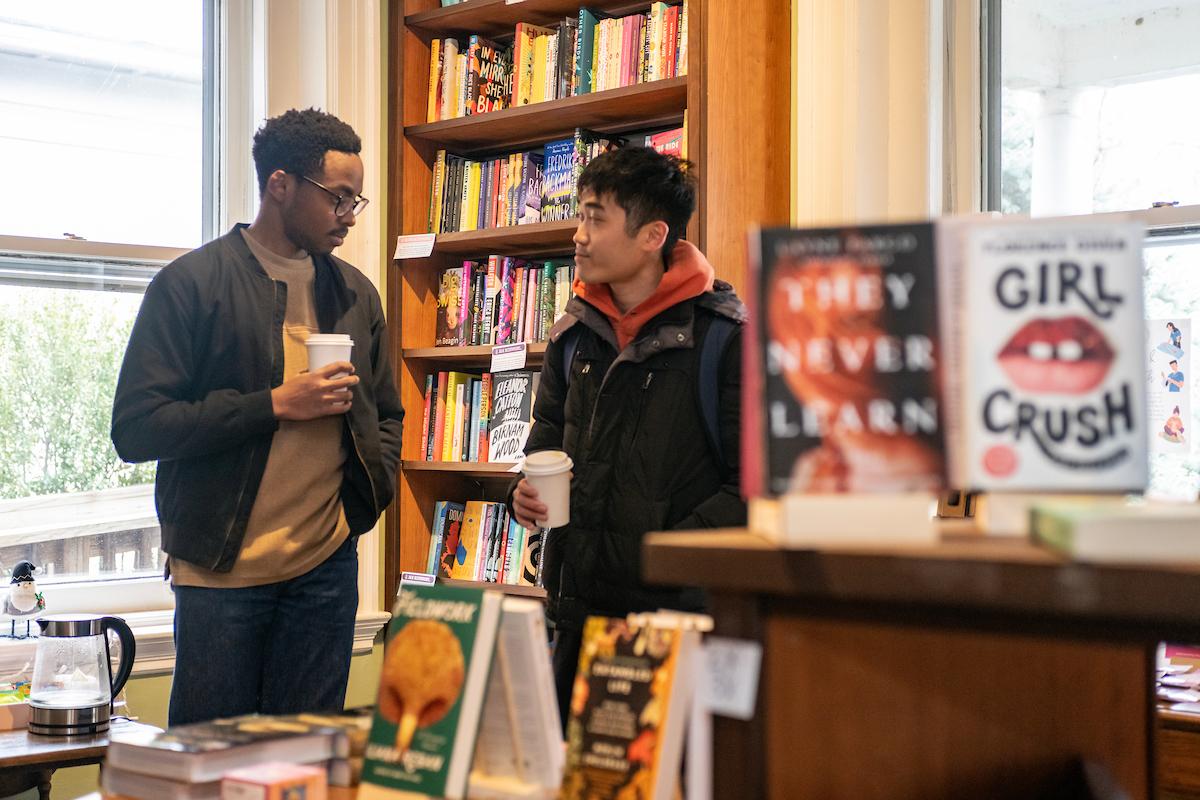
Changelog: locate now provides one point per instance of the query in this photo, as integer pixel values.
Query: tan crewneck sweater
(297, 520)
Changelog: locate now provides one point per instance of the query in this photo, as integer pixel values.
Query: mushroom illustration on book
(24, 601)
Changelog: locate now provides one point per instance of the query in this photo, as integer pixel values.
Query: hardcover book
(558, 181)
(1054, 367)
(454, 552)
(431, 692)
(629, 708)
(204, 751)
(841, 392)
(491, 76)
(511, 414)
(450, 311)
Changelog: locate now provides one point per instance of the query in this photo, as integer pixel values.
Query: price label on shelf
(508, 356)
(417, 245)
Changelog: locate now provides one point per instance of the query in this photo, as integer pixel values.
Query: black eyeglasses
(341, 203)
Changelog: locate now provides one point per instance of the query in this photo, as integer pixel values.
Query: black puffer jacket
(632, 424)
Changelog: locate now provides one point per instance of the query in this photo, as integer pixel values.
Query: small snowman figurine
(24, 601)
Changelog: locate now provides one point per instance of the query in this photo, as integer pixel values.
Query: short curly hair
(296, 142)
(648, 186)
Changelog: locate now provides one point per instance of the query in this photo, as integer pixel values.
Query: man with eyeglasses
(267, 472)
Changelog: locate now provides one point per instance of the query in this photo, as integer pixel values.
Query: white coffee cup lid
(329, 338)
(547, 462)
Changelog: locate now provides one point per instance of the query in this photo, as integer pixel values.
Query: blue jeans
(283, 648)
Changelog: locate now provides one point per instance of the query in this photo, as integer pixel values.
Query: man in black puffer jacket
(628, 413)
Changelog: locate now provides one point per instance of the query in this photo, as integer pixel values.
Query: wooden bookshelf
(646, 105)
(737, 98)
(512, 590)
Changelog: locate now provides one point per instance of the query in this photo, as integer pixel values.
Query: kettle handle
(128, 649)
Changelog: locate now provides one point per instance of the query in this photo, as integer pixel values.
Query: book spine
(485, 414)
(682, 69)
(435, 449)
(459, 414)
(448, 417)
(426, 414)
(504, 323)
(472, 439)
(449, 57)
(435, 195)
(472, 81)
(548, 298)
(435, 69)
(479, 293)
(431, 429)
(437, 531)
(672, 40)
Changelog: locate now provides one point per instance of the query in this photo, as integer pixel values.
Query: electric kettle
(73, 685)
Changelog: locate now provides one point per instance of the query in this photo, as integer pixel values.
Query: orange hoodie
(689, 275)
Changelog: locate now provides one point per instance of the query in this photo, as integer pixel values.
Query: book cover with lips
(841, 392)
(1053, 363)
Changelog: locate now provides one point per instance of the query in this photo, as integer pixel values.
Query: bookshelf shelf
(645, 105)
(542, 238)
(481, 354)
(462, 469)
(495, 18)
(512, 590)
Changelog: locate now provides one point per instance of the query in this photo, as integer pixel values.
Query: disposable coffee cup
(549, 473)
(326, 348)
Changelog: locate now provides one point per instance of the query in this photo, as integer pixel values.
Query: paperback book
(432, 684)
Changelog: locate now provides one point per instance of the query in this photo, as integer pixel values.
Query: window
(1090, 111)
(106, 120)
(1095, 105)
(99, 102)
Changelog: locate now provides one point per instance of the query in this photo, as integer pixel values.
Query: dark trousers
(283, 648)
(565, 661)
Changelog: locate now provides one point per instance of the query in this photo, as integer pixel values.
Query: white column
(1064, 151)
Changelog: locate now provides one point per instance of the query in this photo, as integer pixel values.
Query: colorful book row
(579, 55)
(503, 301)
(477, 418)
(514, 189)
(477, 541)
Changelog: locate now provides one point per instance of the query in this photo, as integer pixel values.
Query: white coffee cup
(326, 348)
(549, 473)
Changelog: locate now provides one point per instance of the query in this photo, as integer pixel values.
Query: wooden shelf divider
(645, 105)
(540, 238)
(510, 589)
(471, 356)
(463, 469)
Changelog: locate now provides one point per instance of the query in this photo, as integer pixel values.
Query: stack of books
(188, 762)
(477, 418)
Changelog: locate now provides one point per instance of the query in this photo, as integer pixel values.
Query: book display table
(972, 668)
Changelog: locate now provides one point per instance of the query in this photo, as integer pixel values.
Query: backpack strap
(569, 341)
(708, 384)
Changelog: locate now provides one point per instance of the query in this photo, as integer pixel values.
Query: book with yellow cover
(629, 710)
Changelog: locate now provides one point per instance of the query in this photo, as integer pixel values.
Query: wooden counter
(971, 669)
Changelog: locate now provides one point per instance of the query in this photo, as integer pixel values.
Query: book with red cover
(843, 388)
